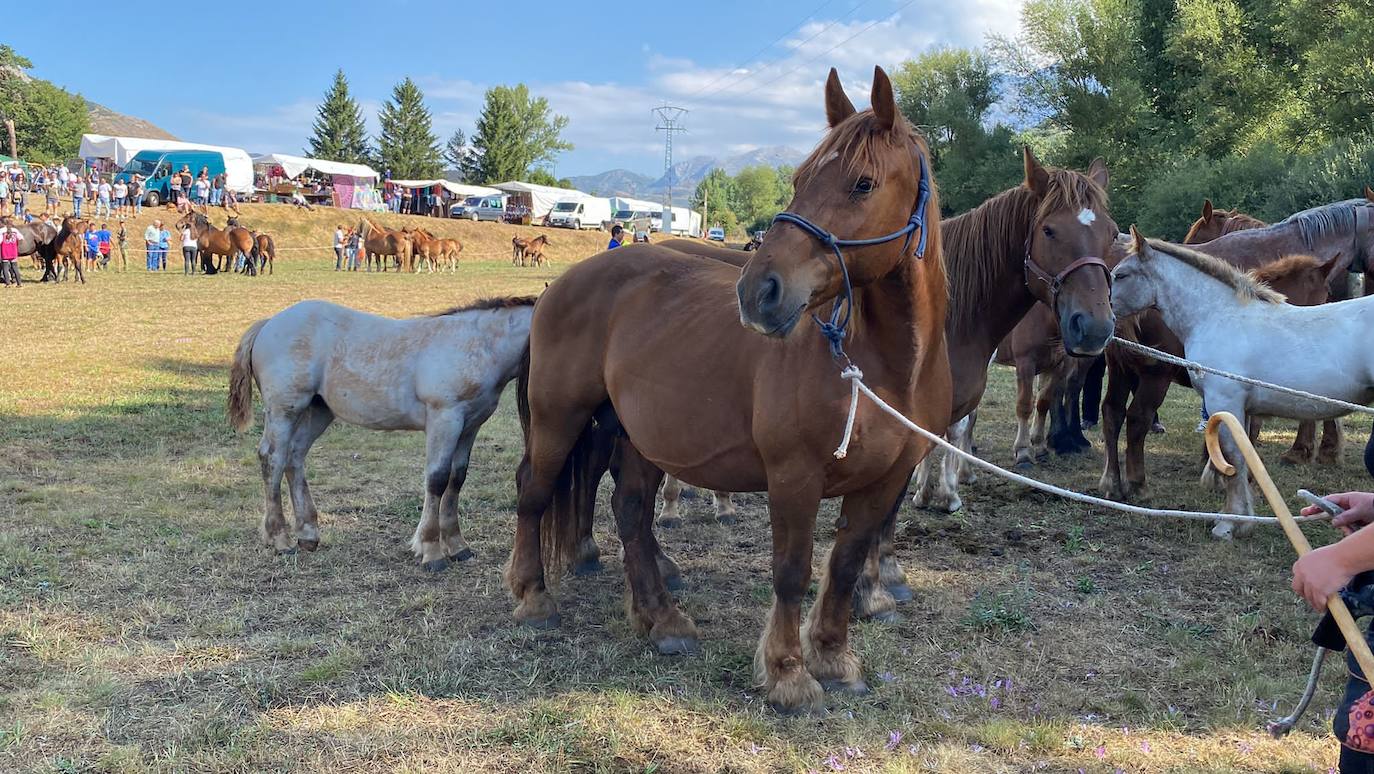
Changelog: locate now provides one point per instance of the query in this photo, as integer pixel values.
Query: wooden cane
(1354, 638)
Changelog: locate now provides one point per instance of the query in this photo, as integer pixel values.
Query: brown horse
(380, 243)
(1026, 245)
(265, 252)
(753, 412)
(534, 251)
(227, 244)
(517, 249)
(35, 239)
(1303, 279)
(1216, 223)
(69, 247)
(425, 247)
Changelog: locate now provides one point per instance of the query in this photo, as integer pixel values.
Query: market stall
(350, 186)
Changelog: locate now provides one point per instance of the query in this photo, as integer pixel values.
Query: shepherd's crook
(1354, 638)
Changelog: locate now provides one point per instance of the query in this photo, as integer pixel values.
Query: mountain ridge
(685, 174)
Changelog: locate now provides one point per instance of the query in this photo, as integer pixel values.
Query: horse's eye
(1049, 232)
(864, 186)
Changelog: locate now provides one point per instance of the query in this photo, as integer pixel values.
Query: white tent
(458, 189)
(238, 167)
(293, 166)
(619, 203)
(542, 198)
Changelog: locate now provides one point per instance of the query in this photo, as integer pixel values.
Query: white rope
(856, 379)
(1196, 367)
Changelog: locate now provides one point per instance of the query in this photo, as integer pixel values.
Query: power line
(756, 54)
(668, 118)
(892, 16)
(800, 45)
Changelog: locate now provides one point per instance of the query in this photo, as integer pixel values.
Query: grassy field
(142, 627)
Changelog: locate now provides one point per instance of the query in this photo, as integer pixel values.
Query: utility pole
(669, 118)
(705, 207)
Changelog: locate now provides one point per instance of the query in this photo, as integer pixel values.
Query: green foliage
(757, 194)
(1005, 611)
(712, 198)
(407, 145)
(541, 176)
(515, 134)
(456, 150)
(339, 133)
(48, 121)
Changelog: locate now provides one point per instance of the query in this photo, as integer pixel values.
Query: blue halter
(837, 327)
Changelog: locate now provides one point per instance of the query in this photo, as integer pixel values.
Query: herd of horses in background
(694, 361)
(407, 249)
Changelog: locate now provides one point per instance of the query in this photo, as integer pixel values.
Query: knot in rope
(855, 376)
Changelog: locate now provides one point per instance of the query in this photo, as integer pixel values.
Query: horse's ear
(837, 104)
(1138, 243)
(1206, 209)
(1097, 172)
(1339, 263)
(882, 101)
(1368, 194)
(1037, 179)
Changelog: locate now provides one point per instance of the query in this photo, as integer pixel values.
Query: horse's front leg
(1025, 399)
(826, 638)
(1112, 415)
(1333, 443)
(1048, 385)
(450, 530)
(442, 433)
(883, 583)
(1239, 499)
(779, 665)
(1304, 445)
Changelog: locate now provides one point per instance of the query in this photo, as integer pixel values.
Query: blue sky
(249, 74)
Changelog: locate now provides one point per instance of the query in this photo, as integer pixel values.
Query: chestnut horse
(228, 244)
(380, 243)
(1216, 223)
(68, 248)
(1042, 241)
(263, 254)
(753, 408)
(533, 251)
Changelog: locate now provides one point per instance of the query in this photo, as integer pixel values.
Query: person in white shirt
(78, 196)
(150, 235)
(102, 198)
(338, 247)
(188, 250)
(121, 198)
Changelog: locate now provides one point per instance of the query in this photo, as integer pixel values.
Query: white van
(588, 212)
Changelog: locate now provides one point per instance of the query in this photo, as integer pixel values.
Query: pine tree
(456, 150)
(340, 134)
(407, 145)
(514, 134)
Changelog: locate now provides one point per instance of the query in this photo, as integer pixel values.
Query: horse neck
(899, 320)
(1251, 247)
(981, 320)
(1185, 296)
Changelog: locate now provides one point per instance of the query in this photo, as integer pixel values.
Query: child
(1326, 571)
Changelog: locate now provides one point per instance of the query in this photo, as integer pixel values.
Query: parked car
(475, 208)
(633, 221)
(716, 235)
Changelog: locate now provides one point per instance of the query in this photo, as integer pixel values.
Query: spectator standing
(353, 244)
(174, 187)
(338, 247)
(122, 236)
(150, 244)
(4, 193)
(188, 250)
(92, 249)
(9, 254)
(102, 201)
(217, 190)
(136, 193)
(19, 194)
(103, 238)
(78, 195)
(54, 190)
(121, 198)
(164, 241)
(617, 235)
(202, 189)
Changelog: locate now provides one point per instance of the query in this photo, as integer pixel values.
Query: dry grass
(142, 628)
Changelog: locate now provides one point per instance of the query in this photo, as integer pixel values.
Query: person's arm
(1326, 570)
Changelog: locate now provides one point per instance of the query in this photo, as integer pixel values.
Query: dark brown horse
(36, 239)
(380, 243)
(1143, 381)
(68, 248)
(226, 244)
(753, 408)
(263, 254)
(1059, 219)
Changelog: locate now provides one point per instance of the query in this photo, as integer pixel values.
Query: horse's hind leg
(883, 583)
(278, 425)
(648, 604)
(1333, 443)
(1113, 414)
(725, 507)
(442, 433)
(1304, 444)
(309, 427)
(1025, 405)
(671, 516)
(450, 530)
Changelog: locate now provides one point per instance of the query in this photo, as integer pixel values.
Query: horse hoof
(900, 592)
(543, 624)
(588, 567)
(727, 520)
(670, 523)
(1157, 428)
(436, 565)
(886, 617)
(308, 545)
(464, 555)
(855, 688)
(286, 551)
(677, 646)
(673, 582)
(1024, 464)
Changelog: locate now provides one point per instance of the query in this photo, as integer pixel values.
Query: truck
(156, 167)
(585, 212)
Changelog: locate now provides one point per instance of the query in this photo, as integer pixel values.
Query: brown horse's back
(707, 250)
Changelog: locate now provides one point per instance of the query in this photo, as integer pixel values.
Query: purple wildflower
(894, 738)
(1101, 752)
(834, 763)
(995, 703)
(1144, 745)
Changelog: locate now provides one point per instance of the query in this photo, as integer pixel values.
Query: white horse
(316, 361)
(1229, 321)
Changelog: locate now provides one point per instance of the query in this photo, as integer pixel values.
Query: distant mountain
(616, 182)
(686, 174)
(107, 121)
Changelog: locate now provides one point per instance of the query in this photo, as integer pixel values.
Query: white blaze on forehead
(1086, 216)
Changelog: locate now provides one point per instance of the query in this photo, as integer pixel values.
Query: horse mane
(1239, 221)
(984, 236)
(1314, 223)
(855, 139)
(1246, 286)
(483, 304)
(1284, 267)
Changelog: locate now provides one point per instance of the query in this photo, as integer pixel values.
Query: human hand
(1320, 574)
(1359, 510)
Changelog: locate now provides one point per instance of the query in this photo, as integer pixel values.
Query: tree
(757, 197)
(514, 134)
(715, 194)
(541, 176)
(48, 121)
(456, 150)
(339, 131)
(407, 145)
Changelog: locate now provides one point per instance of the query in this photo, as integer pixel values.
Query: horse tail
(567, 523)
(241, 379)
